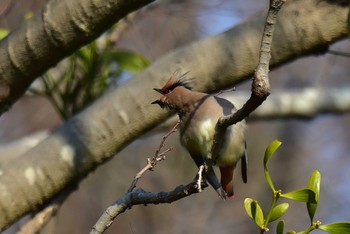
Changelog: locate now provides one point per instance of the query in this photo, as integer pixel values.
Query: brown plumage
(199, 113)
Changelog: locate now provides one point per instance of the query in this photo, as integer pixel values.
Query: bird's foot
(222, 193)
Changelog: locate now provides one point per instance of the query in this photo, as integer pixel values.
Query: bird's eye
(167, 91)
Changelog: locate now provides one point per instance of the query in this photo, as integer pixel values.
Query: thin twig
(38, 222)
(156, 158)
(200, 178)
(41, 218)
(161, 144)
(225, 91)
(344, 54)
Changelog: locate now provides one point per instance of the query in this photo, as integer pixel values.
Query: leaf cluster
(309, 195)
(86, 75)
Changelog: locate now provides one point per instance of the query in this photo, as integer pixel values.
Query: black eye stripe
(171, 88)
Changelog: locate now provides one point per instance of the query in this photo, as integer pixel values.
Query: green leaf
(247, 206)
(280, 227)
(336, 228)
(301, 195)
(86, 57)
(268, 153)
(254, 211)
(314, 185)
(271, 149)
(3, 33)
(278, 211)
(128, 60)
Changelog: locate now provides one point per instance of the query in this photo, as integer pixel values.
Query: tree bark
(62, 27)
(96, 134)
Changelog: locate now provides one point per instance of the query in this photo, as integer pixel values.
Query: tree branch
(61, 28)
(307, 103)
(110, 123)
(260, 84)
(138, 197)
(260, 91)
(36, 224)
(111, 213)
(158, 156)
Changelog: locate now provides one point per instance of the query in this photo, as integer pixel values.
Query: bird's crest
(174, 81)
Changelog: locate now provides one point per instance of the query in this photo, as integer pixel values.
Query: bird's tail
(227, 180)
(244, 167)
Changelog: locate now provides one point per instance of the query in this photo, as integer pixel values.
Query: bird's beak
(156, 102)
(159, 102)
(158, 90)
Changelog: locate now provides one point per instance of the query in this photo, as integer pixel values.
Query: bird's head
(172, 92)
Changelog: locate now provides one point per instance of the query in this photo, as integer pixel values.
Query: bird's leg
(214, 182)
(212, 178)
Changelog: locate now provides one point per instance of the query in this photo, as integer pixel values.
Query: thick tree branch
(61, 28)
(305, 104)
(96, 134)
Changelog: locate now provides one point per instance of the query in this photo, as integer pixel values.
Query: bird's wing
(244, 165)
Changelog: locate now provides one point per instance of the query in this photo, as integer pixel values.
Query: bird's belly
(198, 141)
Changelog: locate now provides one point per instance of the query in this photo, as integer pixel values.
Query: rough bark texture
(61, 28)
(94, 135)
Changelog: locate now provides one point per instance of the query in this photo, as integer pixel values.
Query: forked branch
(151, 162)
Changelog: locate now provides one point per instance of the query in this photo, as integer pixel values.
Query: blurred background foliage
(322, 143)
(86, 75)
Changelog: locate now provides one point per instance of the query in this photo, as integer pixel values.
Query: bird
(198, 113)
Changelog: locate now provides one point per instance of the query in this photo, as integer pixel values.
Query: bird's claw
(222, 193)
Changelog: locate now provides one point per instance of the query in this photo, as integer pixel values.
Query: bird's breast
(197, 137)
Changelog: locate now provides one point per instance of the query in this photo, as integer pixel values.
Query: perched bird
(199, 113)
